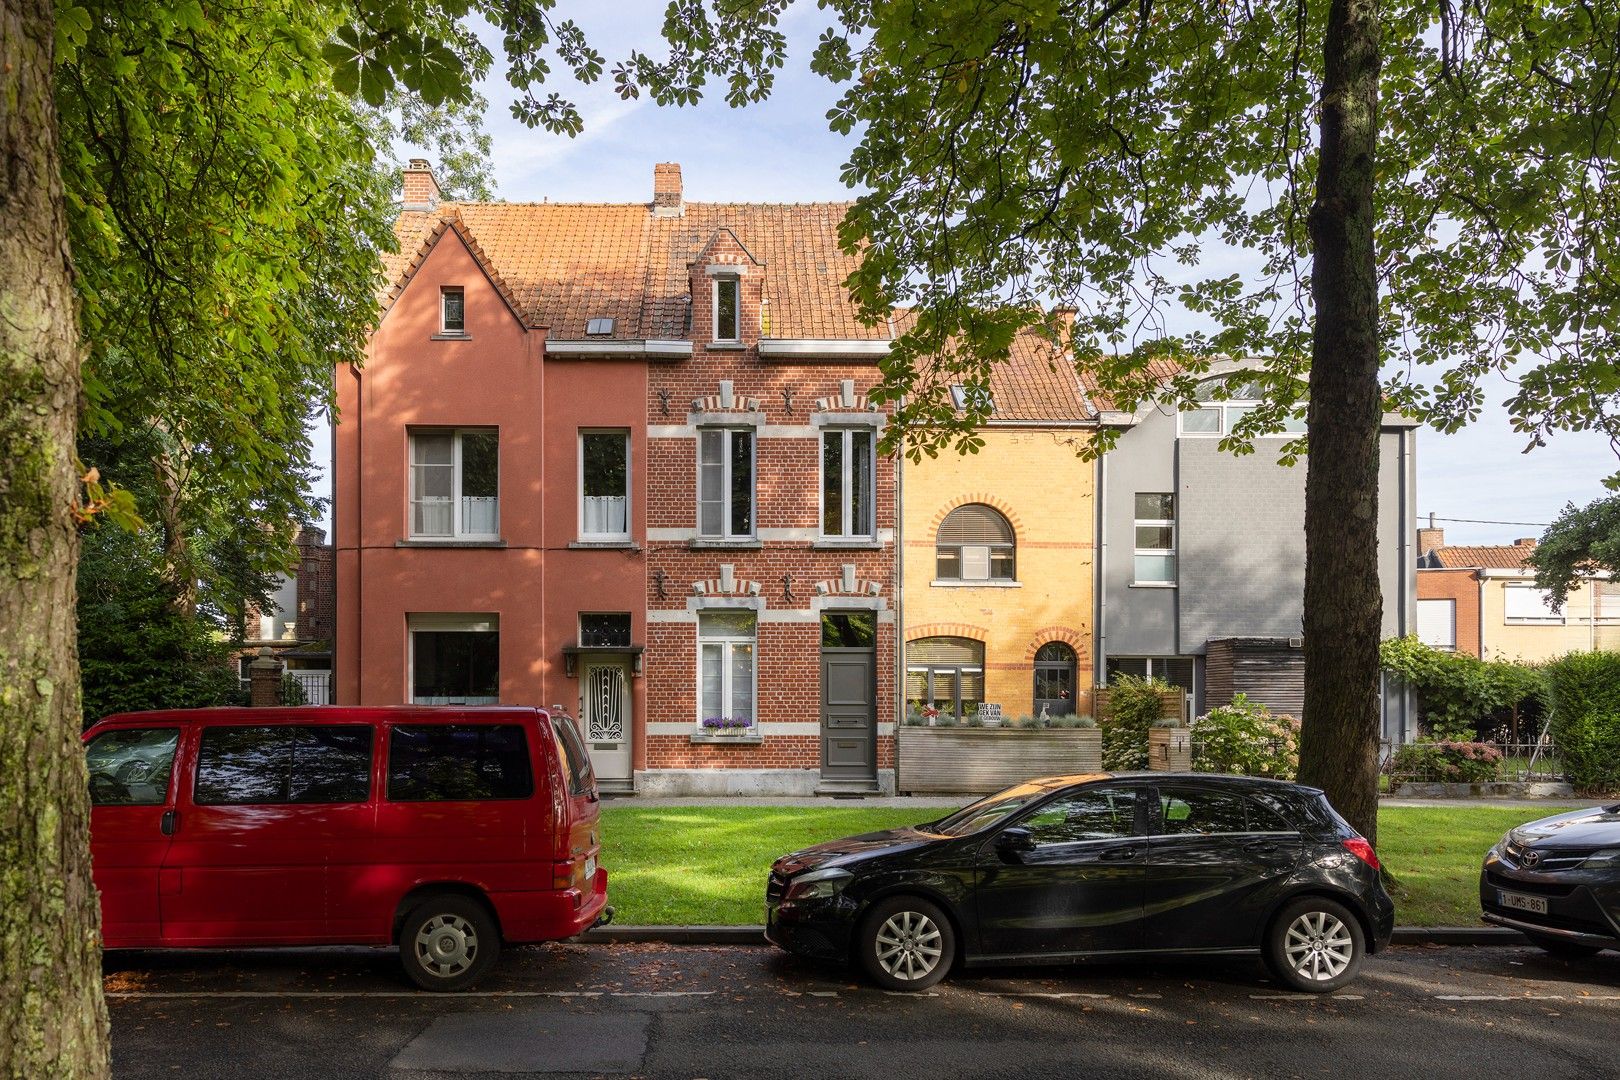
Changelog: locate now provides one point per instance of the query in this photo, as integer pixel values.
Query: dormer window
(452, 310)
(727, 309)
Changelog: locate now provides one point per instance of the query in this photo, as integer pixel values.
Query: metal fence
(1523, 762)
(316, 685)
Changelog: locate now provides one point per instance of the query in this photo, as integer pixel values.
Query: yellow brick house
(997, 559)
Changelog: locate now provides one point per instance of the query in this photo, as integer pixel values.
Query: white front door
(605, 704)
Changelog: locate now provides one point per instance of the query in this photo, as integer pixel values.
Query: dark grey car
(1558, 880)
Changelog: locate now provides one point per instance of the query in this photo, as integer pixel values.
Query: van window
(575, 758)
(283, 764)
(458, 762)
(131, 767)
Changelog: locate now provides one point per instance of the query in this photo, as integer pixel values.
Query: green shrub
(1134, 706)
(1246, 739)
(1070, 722)
(1448, 762)
(1462, 697)
(292, 691)
(1584, 689)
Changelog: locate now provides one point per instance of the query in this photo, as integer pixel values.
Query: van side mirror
(1013, 841)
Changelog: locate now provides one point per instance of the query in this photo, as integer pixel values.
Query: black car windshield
(989, 811)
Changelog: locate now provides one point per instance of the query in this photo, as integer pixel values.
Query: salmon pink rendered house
(620, 457)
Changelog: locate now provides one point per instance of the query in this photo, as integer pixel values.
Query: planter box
(1170, 749)
(977, 761)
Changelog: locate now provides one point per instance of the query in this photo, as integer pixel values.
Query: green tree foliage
(1583, 539)
(1462, 697)
(1246, 739)
(135, 650)
(1585, 693)
(1134, 706)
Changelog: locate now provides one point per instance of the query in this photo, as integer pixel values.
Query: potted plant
(727, 725)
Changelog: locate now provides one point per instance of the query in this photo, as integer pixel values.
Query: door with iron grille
(605, 690)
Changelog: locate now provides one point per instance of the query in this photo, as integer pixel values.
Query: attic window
(598, 326)
(964, 396)
(727, 300)
(452, 310)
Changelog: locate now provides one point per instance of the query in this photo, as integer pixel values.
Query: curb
(755, 935)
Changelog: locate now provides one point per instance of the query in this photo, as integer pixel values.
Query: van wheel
(448, 942)
(906, 943)
(1314, 945)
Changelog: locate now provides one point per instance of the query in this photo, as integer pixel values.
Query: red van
(442, 830)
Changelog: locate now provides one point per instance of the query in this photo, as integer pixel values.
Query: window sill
(1153, 585)
(715, 544)
(831, 543)
(953, 583)
(450, 542)
(726, 346)
(604, 545)
(753, 738)
(450, 337)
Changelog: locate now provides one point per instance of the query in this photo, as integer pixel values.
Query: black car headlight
(1607, 859)
(818, 884)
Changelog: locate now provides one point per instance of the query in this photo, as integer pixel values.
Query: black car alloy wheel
(906, 943)
(1314, 945)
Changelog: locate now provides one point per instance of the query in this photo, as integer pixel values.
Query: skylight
(599, 326)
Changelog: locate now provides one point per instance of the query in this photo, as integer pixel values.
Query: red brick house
(620, 457)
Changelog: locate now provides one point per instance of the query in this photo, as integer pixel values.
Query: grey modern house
(1200, 559)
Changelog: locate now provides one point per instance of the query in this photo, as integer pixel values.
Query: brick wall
(1462, 587)
(317, 585)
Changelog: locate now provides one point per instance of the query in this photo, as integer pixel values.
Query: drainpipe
(1099, 661)
(359, 537)
(897, 576)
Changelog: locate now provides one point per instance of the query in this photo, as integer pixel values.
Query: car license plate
(590, 869)
(1521, 902)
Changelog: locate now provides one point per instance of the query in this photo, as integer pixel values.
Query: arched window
(1054, 679)
(946, 673)
(975, 543)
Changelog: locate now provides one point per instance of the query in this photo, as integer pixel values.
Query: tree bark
(53, 1022)
(1343, 604)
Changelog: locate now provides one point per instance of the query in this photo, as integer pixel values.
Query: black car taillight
(1361, 849)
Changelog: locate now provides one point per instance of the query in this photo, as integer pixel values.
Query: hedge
(1584, 689)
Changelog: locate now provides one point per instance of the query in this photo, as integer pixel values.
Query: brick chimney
(422, 191)
(1430, 538)
(667, 190)
(1525, 541)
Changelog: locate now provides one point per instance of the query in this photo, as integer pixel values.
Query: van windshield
(576, 759)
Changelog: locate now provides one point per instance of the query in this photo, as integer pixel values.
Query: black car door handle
(1261, 847)
(1117, 854)
(166, 823)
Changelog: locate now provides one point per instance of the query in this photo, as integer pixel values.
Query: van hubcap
(446, 945)
(908, 945)
(1318, 946)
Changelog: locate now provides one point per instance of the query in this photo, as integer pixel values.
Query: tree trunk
(178, 570)
(53, 1022)
(1343, 605)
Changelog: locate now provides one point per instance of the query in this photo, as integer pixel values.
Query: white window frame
(846, 487)
(726, 643)
(580, 508)
(1451, 609)
(455, 532)
(449, 622)
(1225, 408)
(725, 533)
(1548, 619)
(735, 281)
(444, 329)
(1173, 551)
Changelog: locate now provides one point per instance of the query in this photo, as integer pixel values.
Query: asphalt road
(712, 1012)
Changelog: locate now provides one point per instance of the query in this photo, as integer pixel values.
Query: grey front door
(849, 695)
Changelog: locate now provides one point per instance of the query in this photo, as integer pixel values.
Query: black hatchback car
(1094, 866)
(1558, 880)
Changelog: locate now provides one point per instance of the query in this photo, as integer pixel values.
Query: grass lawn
(707, 864)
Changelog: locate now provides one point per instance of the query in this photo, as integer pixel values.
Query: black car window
(1207, 812)
(989, 811)
(131, 767)
(329, 763)
(1088, 814)
(458, 763)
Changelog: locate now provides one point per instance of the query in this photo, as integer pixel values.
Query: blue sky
(782, 151)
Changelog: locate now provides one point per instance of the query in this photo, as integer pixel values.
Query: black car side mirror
(1013, 840)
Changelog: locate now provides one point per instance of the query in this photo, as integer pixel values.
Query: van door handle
(167, 822)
